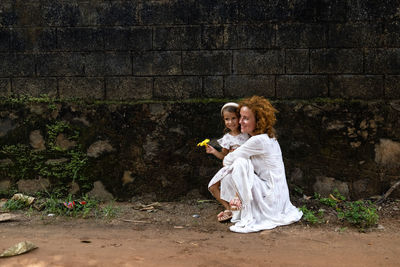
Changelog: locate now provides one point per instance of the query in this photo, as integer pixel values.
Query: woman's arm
(251, 147)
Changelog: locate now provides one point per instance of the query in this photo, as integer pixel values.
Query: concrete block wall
(181, 49)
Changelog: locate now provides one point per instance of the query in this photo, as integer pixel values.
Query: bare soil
(169, 235)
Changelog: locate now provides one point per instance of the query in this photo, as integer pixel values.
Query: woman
(253, 177)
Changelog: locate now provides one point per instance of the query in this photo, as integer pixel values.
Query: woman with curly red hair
(253, 177)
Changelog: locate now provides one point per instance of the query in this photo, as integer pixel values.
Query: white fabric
(256, 171)
(229, 141)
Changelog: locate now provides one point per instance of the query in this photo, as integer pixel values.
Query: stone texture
(356, 35)
(392, 34)
(258, 62)
(356, 86)
(126, 88)
(33, 39)
(387, 153)
(79, 87)
(326, 185)
(213, 86)
(206, 63)
(35, 87)
(60, 64)
(99, 192)
(5, 87)
(33, 186)
(131, 39)
(4, 39)
(80, 39)
(301, 35)
(36, 140)
(5, 185)
(382, 61)
(392, 86)
(245, 86)
(336, 61)
(127, 178)
(255, 36)
(297, 61)
(177, 38)
(6, 125)
(212, 37)
(17, 65)
(301, 86)
(177, 87)
(157, 63)
(98, 148)
(63, 142)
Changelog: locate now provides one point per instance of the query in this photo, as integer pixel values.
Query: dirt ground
(169, 235)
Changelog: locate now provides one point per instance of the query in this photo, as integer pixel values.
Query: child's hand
(204, 143)
(210, 149)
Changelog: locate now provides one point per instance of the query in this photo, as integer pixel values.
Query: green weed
(359, 213)
(309, 215)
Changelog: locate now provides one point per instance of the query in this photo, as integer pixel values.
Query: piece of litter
(50, 215)
(7, 217)
(18, 249)
(27, 199)
(196, 216)
(178, 227)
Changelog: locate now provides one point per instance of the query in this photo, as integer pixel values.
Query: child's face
(231, 120)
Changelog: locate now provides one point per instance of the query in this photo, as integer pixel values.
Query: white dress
(256, 171)
(231, 142)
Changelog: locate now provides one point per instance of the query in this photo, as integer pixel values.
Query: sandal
(224, 216)
(236, 203)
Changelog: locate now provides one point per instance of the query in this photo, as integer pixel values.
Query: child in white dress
(232, 139)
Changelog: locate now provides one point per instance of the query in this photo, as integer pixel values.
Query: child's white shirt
(229, 141)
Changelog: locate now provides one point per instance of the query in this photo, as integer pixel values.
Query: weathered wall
(332, 69)
(174, 49)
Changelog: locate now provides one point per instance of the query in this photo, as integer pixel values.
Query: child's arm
(220, 155)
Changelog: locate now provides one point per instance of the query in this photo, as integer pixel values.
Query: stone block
(60, 64)
(336, 61)
(258, 11)
(382, 61)
(213, 86)
(37, 141)
(392, 86)
(215, 12)
(17, 65)
(167, 12)
(99, 192)
(5, 87)
(81, 88)
(80, 39)
(56, 13)
(326, 185)
(123, 38)
(297, 61)
(301, 35)
(33, 39)
(355, 35)
(255, 36)
(117, 63)
(392, 34)
(4, 39)
(246, 85)
(114, 13)
(212, 37)
(99, 148)
(126, 88)
(177, 87)
(33, 186)
(360, 10)
(177, 38)
(356, 86)
(34, 86)
(387, 153)
(156, 63)
(259, 62)
(206, 62)
(301, 86)
(8, 16)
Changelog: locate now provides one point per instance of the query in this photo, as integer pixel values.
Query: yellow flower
(204, 143)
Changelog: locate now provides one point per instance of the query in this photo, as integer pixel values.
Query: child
(232, 139)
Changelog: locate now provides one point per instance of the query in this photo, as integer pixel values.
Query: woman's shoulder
(262, 138)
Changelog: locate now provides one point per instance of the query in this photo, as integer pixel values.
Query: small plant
(16, 204)
(110, 211)
(309, 215)
(359, 213)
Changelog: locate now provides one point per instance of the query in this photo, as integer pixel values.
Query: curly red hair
(264, 114)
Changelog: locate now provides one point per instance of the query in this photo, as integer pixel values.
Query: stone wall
(123, 91)
(180, 49)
